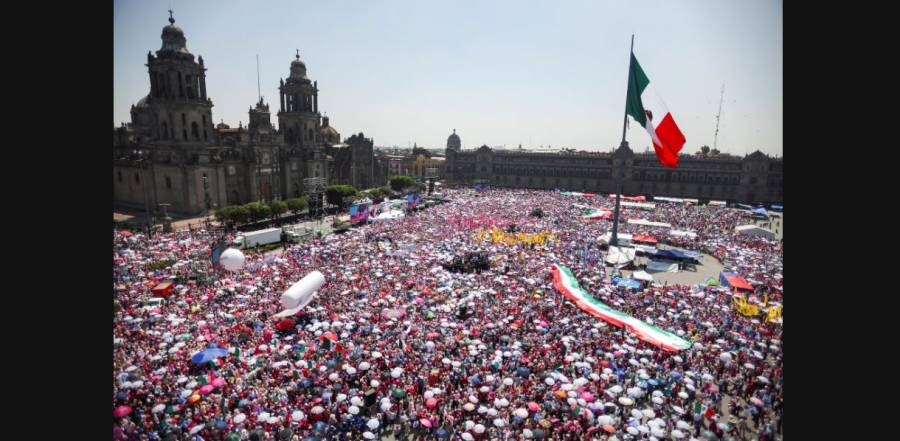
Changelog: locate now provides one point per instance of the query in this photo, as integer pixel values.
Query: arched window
(194, 130)
(165, 130)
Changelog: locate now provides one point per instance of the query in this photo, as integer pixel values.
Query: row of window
(165, 133)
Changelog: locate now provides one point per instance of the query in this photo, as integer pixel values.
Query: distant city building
(754, 178)
(171, 153)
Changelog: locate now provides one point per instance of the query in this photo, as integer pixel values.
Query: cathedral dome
(298, 68)
(173, 38)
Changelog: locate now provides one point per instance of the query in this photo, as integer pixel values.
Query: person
(283, 240)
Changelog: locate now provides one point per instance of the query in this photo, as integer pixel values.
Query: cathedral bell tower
(181, 112)
(298, 119)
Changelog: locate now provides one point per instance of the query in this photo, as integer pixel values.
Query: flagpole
(614, 241)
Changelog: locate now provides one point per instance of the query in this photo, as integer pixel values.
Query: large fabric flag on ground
(593, 213)
(648, 109)
(564, 281)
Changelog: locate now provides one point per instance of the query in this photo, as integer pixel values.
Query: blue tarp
(760, 211)
(778, 207)
(676, 254)
(627, 283)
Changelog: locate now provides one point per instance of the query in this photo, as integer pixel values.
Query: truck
(258, 237)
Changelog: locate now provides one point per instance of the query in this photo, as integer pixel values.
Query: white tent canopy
(388, 216)
(619, 256)
(624, 238)
(665, 199)
(662, 267)
(642, 275)
(679, 233)
(647, 223)
(753, 230)
(717, 203)
(641, 205)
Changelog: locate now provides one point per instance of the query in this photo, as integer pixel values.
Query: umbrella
(206, 389)
(197, 429)
(427, 423)
(625, 401)
(368, 435)
(441, 433)
(756, 401)
(239, 418)
(649, 413)
(207, 355)
(398, 393)
(121, 411)
(534, 407)
(467, 436)
(499, 422)
(158, 408)
(677, 434)
(373, 424)
(285, 434)
(632, 430)
(317, 410)
(479, 428)
(678, 409)
(683, 425)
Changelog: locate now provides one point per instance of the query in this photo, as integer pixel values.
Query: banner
(564, 281)
(359, 212)
(744, 308)
(497, 235)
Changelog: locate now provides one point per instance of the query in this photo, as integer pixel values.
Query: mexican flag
(648, 109)
(564, 281)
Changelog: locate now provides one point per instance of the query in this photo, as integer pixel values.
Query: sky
(500, 72)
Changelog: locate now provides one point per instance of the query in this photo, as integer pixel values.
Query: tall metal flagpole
(614, 241)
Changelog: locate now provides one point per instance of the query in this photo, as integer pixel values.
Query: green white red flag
(648, 109)
(564, 281)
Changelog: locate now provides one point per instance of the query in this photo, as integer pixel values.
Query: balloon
(232, 260)
(301, 293)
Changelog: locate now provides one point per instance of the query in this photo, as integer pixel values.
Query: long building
(170, 153)
(754, 178)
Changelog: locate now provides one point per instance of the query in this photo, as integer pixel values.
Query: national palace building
(755, 178)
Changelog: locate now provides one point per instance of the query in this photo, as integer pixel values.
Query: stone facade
(755, 178)
(171, 153)
(354, 162)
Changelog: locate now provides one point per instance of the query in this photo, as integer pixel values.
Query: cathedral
(172, 153)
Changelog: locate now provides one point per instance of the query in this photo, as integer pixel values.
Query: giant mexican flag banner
(565, 282)
(647, 108)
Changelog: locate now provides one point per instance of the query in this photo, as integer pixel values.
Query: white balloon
(232, 260)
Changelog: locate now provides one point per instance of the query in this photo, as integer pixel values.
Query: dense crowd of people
(383, 350)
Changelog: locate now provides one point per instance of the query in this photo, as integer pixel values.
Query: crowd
(383, 351)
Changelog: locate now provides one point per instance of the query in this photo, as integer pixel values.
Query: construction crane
(718, 117)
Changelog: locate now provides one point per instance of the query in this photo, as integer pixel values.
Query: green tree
(239, 214)
(277, 208)
(421, 151)
(258, 211)
(335, 194)
(704, 151)
(399, 183)
(296, 205)
(224, 214)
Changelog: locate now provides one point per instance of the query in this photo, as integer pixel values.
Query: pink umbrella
(756, 401)
(587, 396)
(121, 411)
(431, 403)
(432, 335)
(206, 389)
(534, 407)
(218, 382)
(425, 422)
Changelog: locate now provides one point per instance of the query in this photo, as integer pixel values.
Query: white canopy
(647, 223)
(642, 205)
(619, 256)
(717, 203)
(664, 199)
(657, 266)
(642, 275)
(624, 238)
(388, 216)
(679, 233)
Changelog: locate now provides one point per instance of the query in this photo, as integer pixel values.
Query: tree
(258, 211)
(239, 214)
(704, 150)
(277, 208)
(714, 152)
(296, 205)
(398, 183)
(335, 194)
(224, 214)
(416, 151)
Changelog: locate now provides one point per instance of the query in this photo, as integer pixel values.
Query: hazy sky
(499, 72)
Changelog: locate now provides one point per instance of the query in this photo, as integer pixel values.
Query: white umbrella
(625, 401)
(649, 413)
(239, 418)
(297, 416)
(725, 356)
(678, 409)
(159, 408)
(637, 413)
(356, 401)
(632, 430)
(683, 425)
(521, 412)
(372, 424)
(683, 395)
(354, 410)
(677, 434)
(317, 410)
(658, 400)
(467, 436)
(197, 429)
(499, 422)
(659, 433)
(479, 428)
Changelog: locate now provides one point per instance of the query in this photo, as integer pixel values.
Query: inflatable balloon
(232, 260)
(301, 293)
